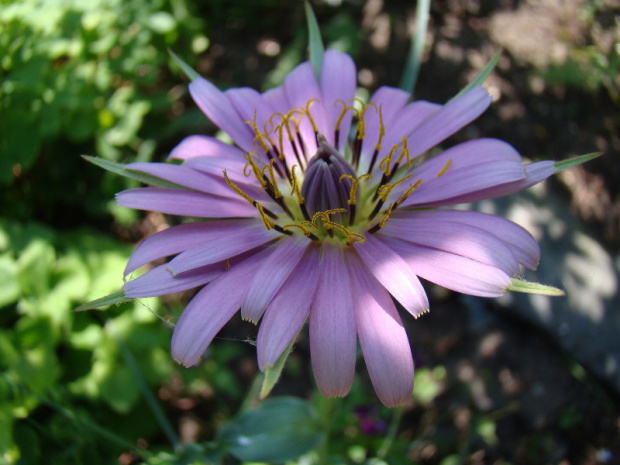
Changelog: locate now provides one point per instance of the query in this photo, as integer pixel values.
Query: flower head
(326, 209)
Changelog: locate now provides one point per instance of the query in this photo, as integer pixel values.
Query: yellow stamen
(274, 184)
(252, 163)
(345, 109)
(384, 164)
(325, 217)
(258, 136)
(444, 169)
(353, 191)
(404, 153)
(266, 221)
(381, 130)
(351, 236)
(295, 188)
(236, 188)
(226, 265)
(309, 115)
(385, 189)
(408, 192)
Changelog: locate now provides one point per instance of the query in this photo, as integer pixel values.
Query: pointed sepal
(562, 165)
(527, 287)
(115, 298)
(482, 75)
(187, 69)
(122, 170)
(273, 372)
(315, 42)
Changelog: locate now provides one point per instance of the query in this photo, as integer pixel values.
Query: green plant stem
(252, 398)
(146, 392)
(391, 432)
(326, 409)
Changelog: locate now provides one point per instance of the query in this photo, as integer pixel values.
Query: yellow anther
(258, 136)
(408, 192)
(444, 169)
(385, 163)
(355, 181)
(386, 216)
(351, 236)
(266, 221)
(252, 163)
(404, 153)
(295, 186)
(304, 230)
(236, 188)
(381, 130)
(272, 178)
(226, 265)
(361, 125)
(309, 115)
(385, 189)
(345, 108)
(324, 216)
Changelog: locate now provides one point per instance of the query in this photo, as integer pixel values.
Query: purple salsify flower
(307, 223)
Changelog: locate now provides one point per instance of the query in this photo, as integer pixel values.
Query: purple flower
(307, 223)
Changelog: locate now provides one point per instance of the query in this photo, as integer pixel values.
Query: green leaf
(416, 50)
(120, 169)
(117, 297)
(280, 429)
(315, 43)
(187, 69)
(521, 285)
(562, 165)
(272, 373)
(478, 80)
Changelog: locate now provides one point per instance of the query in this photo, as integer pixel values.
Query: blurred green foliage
(81, 77)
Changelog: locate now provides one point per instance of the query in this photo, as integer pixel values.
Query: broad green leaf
(562, 165)
(315, 42)
(280, 429)
(120, 169)
(416, 50)
(478, 80)
(117, 297)
(521, 285)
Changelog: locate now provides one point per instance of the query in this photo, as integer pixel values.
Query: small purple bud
(323, 187)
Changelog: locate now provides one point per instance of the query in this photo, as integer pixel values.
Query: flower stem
(391, 433)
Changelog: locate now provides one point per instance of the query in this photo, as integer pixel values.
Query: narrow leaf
(562, 165)
(479, 80)
(187, 69)
(117, 297)
(414, 58)
(315, 42)
(521, 285)
(272, 373)
(120, 169)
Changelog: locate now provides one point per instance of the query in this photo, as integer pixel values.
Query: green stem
(326, 409)
(391, 433)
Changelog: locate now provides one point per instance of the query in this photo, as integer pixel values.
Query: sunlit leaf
(521, 285)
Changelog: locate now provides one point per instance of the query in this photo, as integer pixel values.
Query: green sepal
(562, 165)
(416, 48)
(315, 42)
(272, 373)
(187, 69)
(479, 80)
(521, 285)
(115, 298)
(122, 170)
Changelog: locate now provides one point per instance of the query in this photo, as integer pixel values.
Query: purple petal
(338, 82)
(394, 273)
(453, 116)
(204, 146)
(218, 108)
(523, 246)
(184, 203)
(456, 238)
(184, 176)
(274, 271)
(223, 247)
(179, 238)
(391, 101)
(382, 337)
(209, 311)
(332, 326)
(301, 86)
(451, 271)
(159, 281)
(288, 310)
